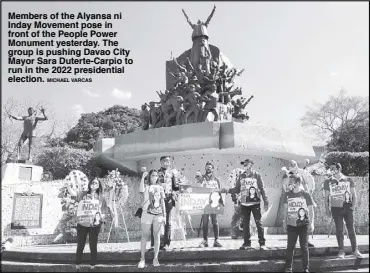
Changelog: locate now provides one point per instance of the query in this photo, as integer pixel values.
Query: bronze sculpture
(204, 83)
(29, 125)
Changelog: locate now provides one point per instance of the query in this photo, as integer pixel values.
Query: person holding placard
(91, 211)
(251, 188)
(154, 213)
(210, 181)
(340, 200)
(298, 213)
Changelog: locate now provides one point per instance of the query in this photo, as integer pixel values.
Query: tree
(353, 136)
(114, 121)
(340, 109)
(60, 161)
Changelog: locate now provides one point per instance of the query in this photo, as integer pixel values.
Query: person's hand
(164, 219)
(145, 173)
(266, 206)
(284, 224)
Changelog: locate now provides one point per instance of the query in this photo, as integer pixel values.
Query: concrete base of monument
(185, 256)
(20, 173)
(225, 144)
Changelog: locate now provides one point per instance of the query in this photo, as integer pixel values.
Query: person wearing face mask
(90, 204)
(335, 188)
(210, 181)
(250, 178)
(308, 184)
(296, 221)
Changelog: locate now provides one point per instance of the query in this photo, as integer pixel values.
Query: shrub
(60, 161)
(353, 164)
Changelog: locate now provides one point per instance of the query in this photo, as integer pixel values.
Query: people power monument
(200, 81)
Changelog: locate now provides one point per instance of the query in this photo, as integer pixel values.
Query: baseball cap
(246, 161)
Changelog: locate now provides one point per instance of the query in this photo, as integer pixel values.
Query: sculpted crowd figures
(203, 84)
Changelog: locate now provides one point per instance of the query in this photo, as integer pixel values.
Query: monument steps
(317, 264)
(185, 254)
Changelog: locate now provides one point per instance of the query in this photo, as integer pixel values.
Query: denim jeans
(246, 212)
(293, 234)
(93, 242)
(346, 214)
(169, 203)
(216, 229)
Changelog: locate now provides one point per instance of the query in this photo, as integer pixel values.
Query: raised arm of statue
(16, 118)
(42, 118)
(190, 65)
(245, 104)
(210, 16)
(182, 68)
(187, 19)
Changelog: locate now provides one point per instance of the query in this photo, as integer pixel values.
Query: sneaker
(78, 268)
(151, 249)
(310, 245)
(358, 254)
(155, 262)
(306, 271)
(217, 244)
(141, 263)
(288, 270)
(92, 268)
(204, 243)
(262, 247)
(245, 246)
(341, 254)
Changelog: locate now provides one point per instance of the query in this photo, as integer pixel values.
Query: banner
(297, 211)
(340, 193)
(197, 200)
(88, 213)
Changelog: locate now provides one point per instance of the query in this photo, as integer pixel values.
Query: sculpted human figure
(155, 113)
(200, 52)
(29, 125)
(210, 97)
(144, 117)
(194, 104)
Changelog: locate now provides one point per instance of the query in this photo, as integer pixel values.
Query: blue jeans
(293, 234)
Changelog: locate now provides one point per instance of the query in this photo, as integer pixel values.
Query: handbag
(139, 212)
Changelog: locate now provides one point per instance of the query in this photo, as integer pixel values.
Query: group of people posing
(160, 189)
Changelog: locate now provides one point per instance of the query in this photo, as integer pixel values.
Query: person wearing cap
(251, 187)
(210, 181)
(340, 193)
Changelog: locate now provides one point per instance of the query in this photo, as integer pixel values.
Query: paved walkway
(272, 242)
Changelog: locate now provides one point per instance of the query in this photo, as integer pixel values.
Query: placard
(27, 211)
(196, 200)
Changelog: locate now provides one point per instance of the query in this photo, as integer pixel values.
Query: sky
(294, 53)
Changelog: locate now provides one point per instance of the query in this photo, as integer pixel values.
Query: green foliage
(61, 160)
(352, 136)
(114, 121)
(353, 164)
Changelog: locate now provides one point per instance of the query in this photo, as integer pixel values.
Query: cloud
(79, 109)
(88, 92)
(121, 95)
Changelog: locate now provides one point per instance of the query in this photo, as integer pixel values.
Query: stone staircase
(186, 257)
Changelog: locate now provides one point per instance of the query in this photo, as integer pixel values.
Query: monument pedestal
(18, 172)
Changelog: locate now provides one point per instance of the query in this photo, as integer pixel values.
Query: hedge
(353, 164)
